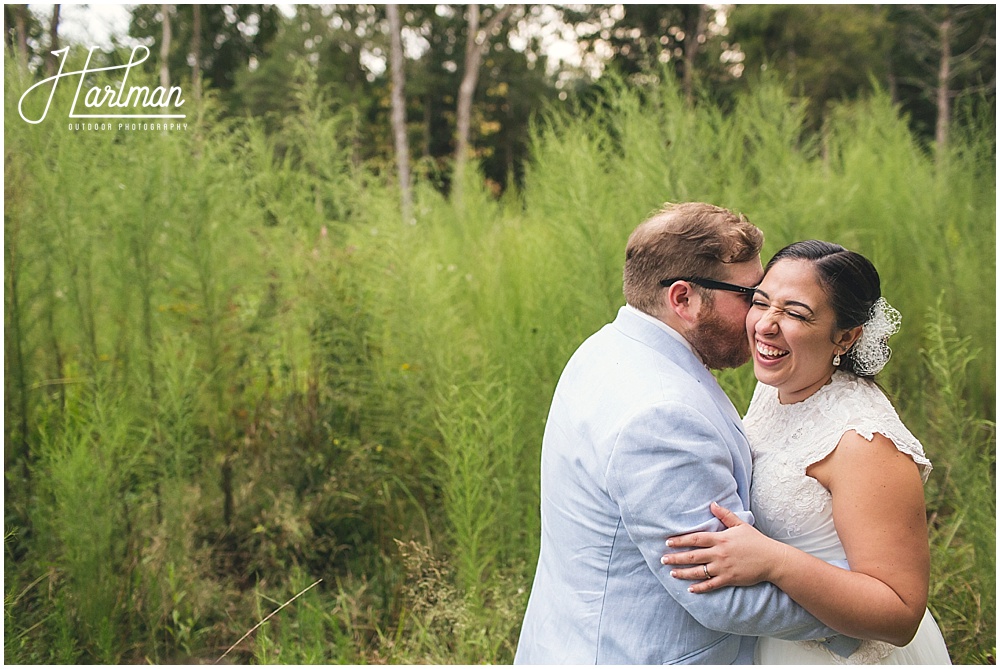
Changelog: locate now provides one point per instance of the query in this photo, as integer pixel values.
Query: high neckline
(838, 378)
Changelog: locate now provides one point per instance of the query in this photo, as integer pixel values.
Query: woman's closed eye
(797, 315)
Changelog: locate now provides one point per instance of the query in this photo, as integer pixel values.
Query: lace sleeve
(872, 412)
(902, 444)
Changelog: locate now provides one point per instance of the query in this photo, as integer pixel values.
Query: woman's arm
(878, 509)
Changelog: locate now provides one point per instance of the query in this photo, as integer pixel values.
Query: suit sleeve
(668, 464)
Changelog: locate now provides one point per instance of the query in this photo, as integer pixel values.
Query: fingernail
(670, 543)
(664, 560)
(691, 590)
(673, 573)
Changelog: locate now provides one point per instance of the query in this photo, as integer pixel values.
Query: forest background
(313, 337)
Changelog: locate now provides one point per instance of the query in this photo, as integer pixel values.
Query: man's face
(719, 334)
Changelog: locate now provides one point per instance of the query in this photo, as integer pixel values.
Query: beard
(721, 344)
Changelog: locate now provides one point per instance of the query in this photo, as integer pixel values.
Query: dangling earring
(836, 360)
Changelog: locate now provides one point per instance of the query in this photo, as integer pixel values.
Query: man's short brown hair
(688, 239)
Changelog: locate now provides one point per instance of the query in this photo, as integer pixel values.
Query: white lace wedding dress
(794, 508)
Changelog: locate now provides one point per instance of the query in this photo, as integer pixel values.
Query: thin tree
(399, 111)
(693, 37)
(196, 52)
(8, 30)
(21, 26)
(953, 65)
(944, 83)
(165, 48)
(950, 43)
(50, 59)
(476, 43)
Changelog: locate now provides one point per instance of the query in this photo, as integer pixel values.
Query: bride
(837, 476)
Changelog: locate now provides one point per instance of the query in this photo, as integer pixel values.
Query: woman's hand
(739, 555)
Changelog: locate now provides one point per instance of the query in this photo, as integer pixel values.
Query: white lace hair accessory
(871, 351)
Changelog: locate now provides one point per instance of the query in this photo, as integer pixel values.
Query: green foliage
(798, 40)
(477, 425)
(231, 371)
(444, 624)
(962, 536)
(302, 633)
(230, 36)
(84, 515)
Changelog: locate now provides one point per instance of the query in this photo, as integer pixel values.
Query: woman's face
(792, 330)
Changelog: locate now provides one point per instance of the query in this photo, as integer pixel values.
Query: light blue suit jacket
(639, 440)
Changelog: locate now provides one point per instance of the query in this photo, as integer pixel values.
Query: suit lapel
(641, 330)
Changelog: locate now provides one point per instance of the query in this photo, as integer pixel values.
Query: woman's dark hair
(849, 279)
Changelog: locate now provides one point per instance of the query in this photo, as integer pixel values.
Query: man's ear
(682, 299)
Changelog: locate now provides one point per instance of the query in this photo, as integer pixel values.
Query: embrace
(658, 546)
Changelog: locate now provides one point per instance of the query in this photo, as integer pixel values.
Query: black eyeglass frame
(711, 284)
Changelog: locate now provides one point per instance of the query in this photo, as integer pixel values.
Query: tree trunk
(165, 48)
(428, 118)
(15, 373)
(943, 85)
(893, 81)
(399, 112)
(228, 503)
(7, 29)
(21, 23)
(51, 61)
(470, 77)
(475, 45)
(692, 42)
(196, 52)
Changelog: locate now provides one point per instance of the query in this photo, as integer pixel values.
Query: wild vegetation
(232, 370)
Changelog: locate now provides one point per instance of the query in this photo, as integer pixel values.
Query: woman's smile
(768, 353)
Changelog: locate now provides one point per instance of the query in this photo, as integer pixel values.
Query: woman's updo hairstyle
(849, 279)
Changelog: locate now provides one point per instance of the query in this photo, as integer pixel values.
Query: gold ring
(705, 567)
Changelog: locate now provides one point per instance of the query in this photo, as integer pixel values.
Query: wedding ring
(705, 567)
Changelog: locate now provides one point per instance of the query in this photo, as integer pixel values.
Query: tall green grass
(962, 494)
(231, 370)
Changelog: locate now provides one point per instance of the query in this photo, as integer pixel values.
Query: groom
(640, 439)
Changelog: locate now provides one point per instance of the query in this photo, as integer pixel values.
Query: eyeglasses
(709, 283)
